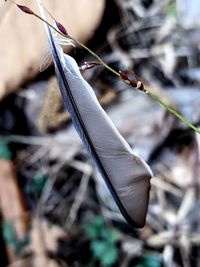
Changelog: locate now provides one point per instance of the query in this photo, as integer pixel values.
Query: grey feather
(126, 175)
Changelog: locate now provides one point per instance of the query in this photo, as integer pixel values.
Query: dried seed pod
(25, 9)
(61, 28)
(123, 75)
(133, 83)
(89, 65)
(140, 86)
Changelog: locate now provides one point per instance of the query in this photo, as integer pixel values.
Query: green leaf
(151, 260)
(37, 184)
(11, 238)
(98, 221)
(9, 233)
(92, 232)
(110, 255)
(106, 253)
(98, 248)
(113, 236)
(5, 152)
(95, 227)
(103, 242)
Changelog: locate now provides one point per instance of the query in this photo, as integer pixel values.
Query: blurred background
(54, 207)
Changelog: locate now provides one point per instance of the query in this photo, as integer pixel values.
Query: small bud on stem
(133, 83)
(25, 9)
(61, 28)
(89, 65)
(123, 75)
(140, 86)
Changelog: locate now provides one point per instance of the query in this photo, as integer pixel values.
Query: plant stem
(157, 99)
(81, 45)
(173, 111)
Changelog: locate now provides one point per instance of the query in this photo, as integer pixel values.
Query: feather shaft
(119, 166)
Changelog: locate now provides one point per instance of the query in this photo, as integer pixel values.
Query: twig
(79, 197)
(38, 140)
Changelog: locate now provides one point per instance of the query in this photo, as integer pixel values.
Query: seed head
(25, 9)
(133, 83)
(61, 28)
(123, 75)
(140, 86)
(89, 65)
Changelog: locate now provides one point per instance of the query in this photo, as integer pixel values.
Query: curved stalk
(156, 98)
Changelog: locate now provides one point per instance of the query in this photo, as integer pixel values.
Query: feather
(126, 174)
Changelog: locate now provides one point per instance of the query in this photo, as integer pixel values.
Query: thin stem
(173, 111)
(157, 99)
(97, 57)
(80, 44)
